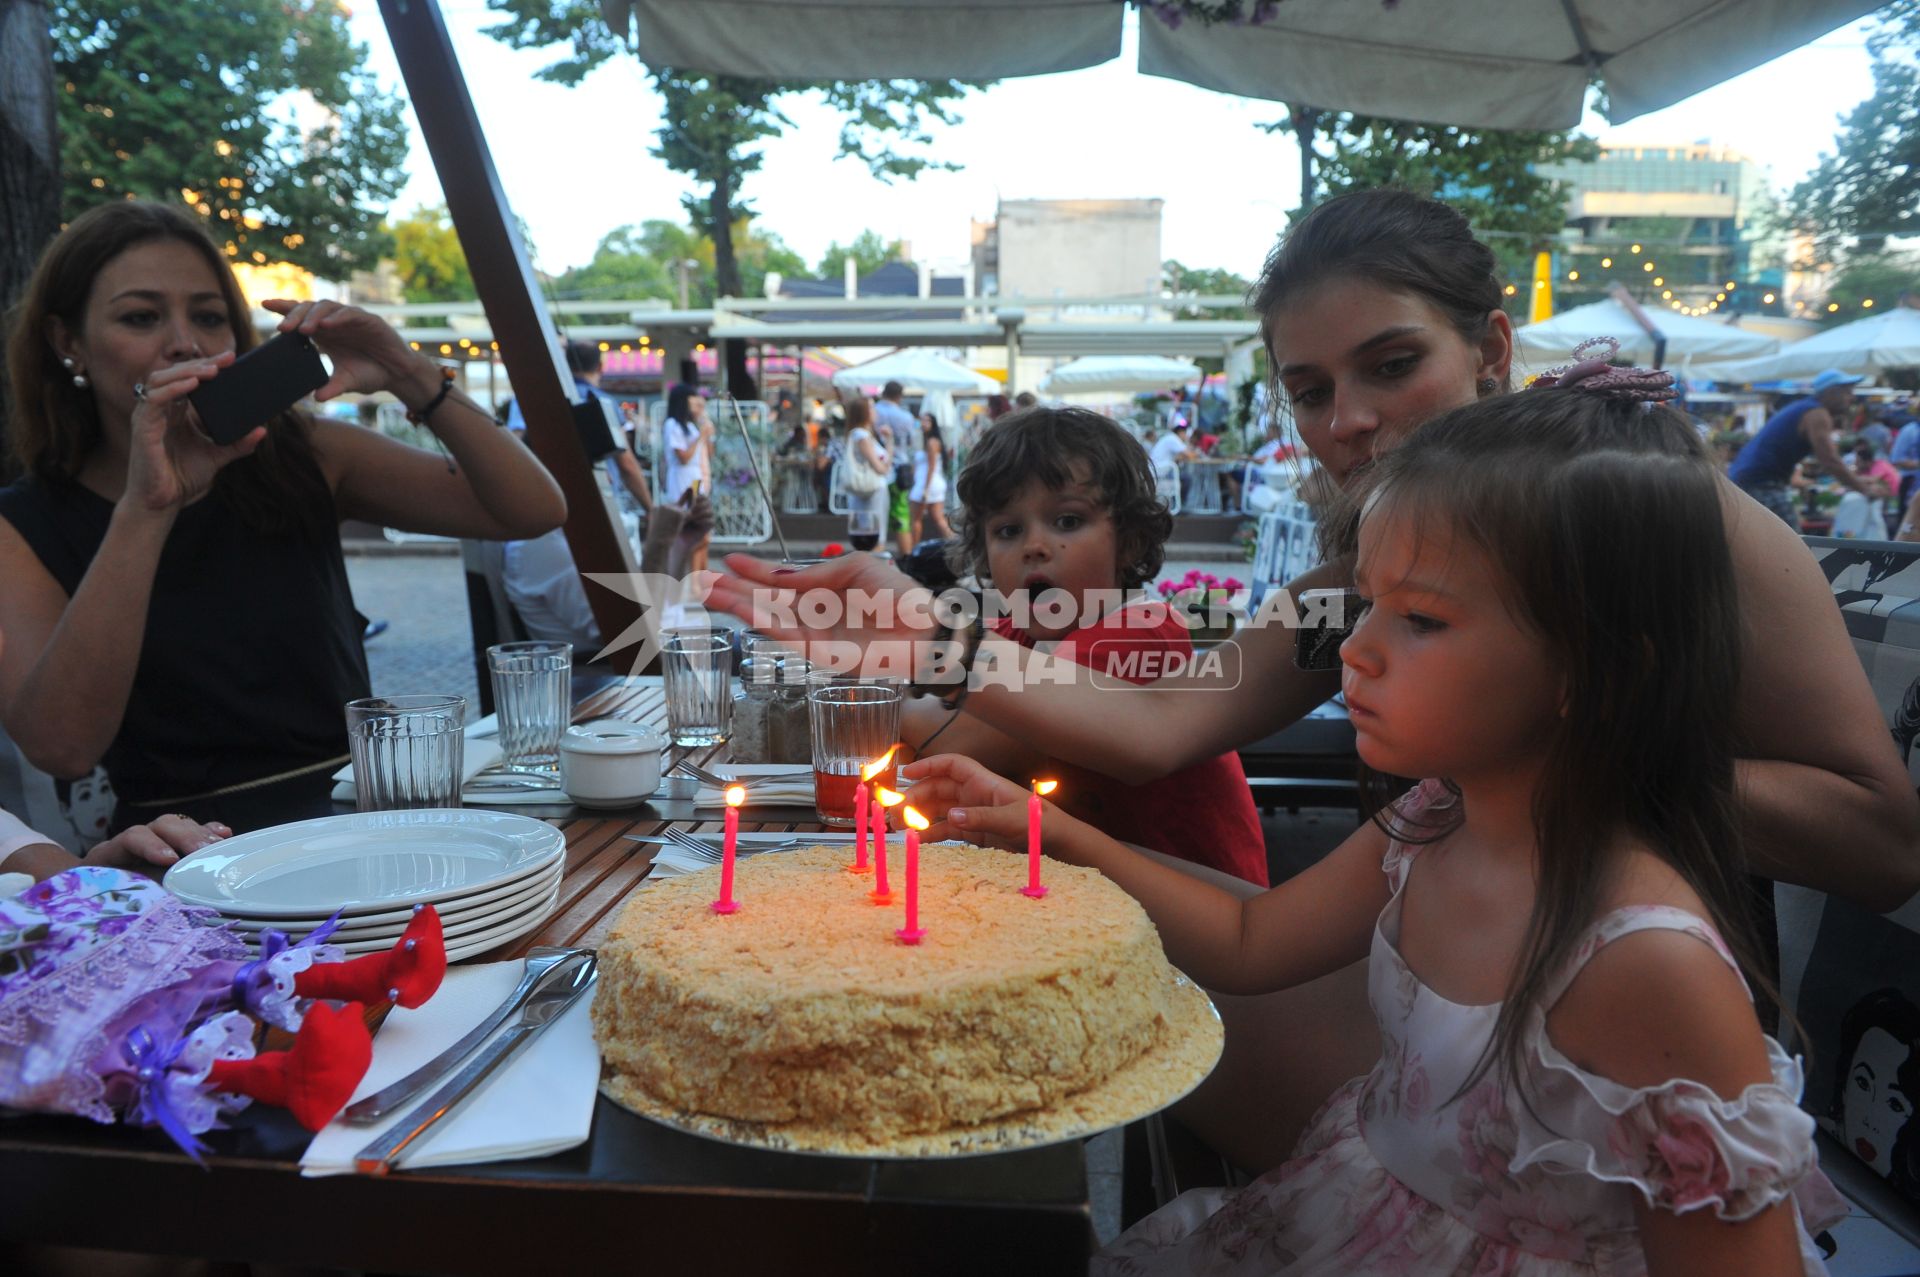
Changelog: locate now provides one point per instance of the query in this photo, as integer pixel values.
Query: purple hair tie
(1596, 375)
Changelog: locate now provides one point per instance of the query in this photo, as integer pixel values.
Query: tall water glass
(407, 751)
(854, 724)
(698, 670)
(532, 693)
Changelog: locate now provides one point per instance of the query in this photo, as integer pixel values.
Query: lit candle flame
(878, 765)
(914, 819)
(1045, 787)
(887, 797)
(736, 794)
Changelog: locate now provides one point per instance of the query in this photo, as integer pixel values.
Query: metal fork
(700, 849)
(718, 781)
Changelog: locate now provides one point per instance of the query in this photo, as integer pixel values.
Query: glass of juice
(854, 725)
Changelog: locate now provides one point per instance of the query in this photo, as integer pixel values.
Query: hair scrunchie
(1595, 374)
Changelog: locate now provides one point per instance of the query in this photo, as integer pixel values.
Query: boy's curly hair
(1060, 447)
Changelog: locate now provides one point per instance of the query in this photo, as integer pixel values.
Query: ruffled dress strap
(1678, 1145)
(1416, 813)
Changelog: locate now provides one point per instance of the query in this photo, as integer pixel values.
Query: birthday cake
(800, 1021)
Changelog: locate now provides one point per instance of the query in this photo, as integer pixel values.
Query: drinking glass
(853, 724)
(863, 529)
(698, 670)
(407, 751)
(532, 691)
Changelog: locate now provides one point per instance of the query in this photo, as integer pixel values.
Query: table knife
(384, 1101)
(556, 991)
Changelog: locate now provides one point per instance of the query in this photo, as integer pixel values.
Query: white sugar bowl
(609, 763)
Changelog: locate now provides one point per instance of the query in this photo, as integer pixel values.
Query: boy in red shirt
(1060, 517)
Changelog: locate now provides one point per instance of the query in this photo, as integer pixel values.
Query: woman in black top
(179, 609)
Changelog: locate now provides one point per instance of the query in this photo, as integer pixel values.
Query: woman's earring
(79, 378)
(1486, 385)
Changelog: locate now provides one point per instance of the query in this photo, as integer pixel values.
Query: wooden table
(638, 1196)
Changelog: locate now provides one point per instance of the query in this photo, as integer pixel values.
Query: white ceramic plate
(366, 862)
(498, 903)
(483, 932)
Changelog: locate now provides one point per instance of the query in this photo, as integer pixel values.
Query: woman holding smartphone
(179, 609)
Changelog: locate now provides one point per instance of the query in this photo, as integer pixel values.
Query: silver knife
(557, 991)
(384, 1101)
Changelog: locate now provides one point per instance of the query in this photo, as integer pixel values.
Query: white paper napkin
(793, 789)
(537, 1103)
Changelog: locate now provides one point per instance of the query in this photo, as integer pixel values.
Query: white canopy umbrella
(1125, 374)
(1868, 347)
(1689, 339)
(916, 369)
(1513, 64)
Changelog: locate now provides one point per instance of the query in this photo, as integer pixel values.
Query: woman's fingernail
(958, 815)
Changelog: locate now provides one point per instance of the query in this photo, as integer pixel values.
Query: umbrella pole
(786, 556)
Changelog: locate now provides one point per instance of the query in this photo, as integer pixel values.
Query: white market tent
(1479, 63)
(918, 370)
(1119, 374)
(1867, 347)
(1689, 339)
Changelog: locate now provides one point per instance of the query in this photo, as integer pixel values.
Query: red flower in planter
(833, 550)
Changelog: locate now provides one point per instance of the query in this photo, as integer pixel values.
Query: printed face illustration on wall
(1873, 1107)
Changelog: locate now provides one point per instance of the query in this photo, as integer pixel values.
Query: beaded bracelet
(419, 417)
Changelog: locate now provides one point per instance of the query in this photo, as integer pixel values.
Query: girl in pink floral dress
(1574, 1079)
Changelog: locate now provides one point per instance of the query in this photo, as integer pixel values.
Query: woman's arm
(685, 455)
(1825, 798)
(505, 493)
(870, 454)
(1132, 733)
(1315, 923)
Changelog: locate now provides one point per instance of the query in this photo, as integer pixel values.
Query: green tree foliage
(712, 126)
(634, 262)
(1869, 188)
(1880, 278)
(1207, 282)
(1488, 174)
(868, 251)
(259, 114)
(428, 258)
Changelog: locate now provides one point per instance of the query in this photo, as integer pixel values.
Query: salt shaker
(790, 736)
(754, 712)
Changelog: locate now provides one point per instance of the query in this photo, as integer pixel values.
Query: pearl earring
(79, 378)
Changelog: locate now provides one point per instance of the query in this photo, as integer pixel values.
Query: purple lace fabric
(85, 958)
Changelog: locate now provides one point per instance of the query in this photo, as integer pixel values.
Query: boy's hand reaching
(161, 843)
(968, 803)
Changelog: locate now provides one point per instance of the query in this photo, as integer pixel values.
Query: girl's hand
(171, 463)
(161, 843)
(367, 352)
(965, 801)
(766, 596)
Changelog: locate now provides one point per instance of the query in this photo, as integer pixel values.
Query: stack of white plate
(493, 877)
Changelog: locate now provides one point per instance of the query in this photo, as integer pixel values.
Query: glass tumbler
(532, 692)
(408, 751)
(697, 666)
(854, 725)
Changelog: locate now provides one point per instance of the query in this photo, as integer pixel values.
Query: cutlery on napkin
(774, 784)
(538, 1103)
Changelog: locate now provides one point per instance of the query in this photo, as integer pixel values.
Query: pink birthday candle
(1033, 887)
(912, 933)
(860, 864)
(883, 798)
(736, 794)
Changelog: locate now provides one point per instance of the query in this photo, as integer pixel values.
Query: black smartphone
(268, 379)
(1327, 617)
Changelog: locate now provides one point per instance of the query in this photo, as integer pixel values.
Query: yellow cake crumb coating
(803, 1009)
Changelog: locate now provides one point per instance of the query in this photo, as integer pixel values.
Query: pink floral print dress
(1395, 1175)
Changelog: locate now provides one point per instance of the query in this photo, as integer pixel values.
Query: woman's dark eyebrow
(155, 295)
(1380, 338)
